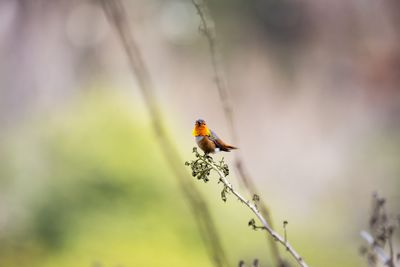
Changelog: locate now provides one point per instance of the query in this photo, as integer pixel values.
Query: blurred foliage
(83, 183)
(102, 194)
(87, 186)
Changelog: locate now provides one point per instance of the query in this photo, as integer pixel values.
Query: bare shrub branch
(380, 234)
(201, 167)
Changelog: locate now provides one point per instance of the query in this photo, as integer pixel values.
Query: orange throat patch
(201, 131)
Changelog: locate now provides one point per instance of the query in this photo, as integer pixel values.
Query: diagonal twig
(223, 171)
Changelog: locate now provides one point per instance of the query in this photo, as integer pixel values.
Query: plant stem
(258, 214)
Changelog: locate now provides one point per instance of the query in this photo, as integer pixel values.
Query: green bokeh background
(96, 192)
(83, 180)
(91, 188)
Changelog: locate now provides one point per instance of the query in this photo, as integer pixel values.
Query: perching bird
(207, 140)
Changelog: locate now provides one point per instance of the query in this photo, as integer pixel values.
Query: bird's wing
(213, 136)
(217, 141)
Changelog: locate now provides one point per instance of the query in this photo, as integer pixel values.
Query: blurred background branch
(207, 28)
(118, 18)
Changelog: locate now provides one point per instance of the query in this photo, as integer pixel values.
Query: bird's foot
(207, 156)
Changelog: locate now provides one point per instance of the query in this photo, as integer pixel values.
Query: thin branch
(208, 29)
(222, 172)
(117, 17)
(284, 228)
(263, 221)
(251, 188)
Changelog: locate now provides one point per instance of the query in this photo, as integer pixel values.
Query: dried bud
(256, 198)
(252, 223)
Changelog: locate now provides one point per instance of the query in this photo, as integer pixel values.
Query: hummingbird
(208, 140)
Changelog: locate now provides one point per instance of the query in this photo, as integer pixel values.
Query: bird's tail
(228, 148)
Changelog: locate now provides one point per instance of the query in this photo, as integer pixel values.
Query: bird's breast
(205, 144)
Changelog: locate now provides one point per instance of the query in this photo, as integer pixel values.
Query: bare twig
(203, 162)
(380, 234)
(260, 217)
(285, 230)
(116, 14)
(207, 27)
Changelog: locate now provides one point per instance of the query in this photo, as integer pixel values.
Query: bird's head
(200, 128)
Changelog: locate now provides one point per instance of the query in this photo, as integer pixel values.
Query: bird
(208, 140)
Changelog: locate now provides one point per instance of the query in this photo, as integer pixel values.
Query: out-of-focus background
(83, 181)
